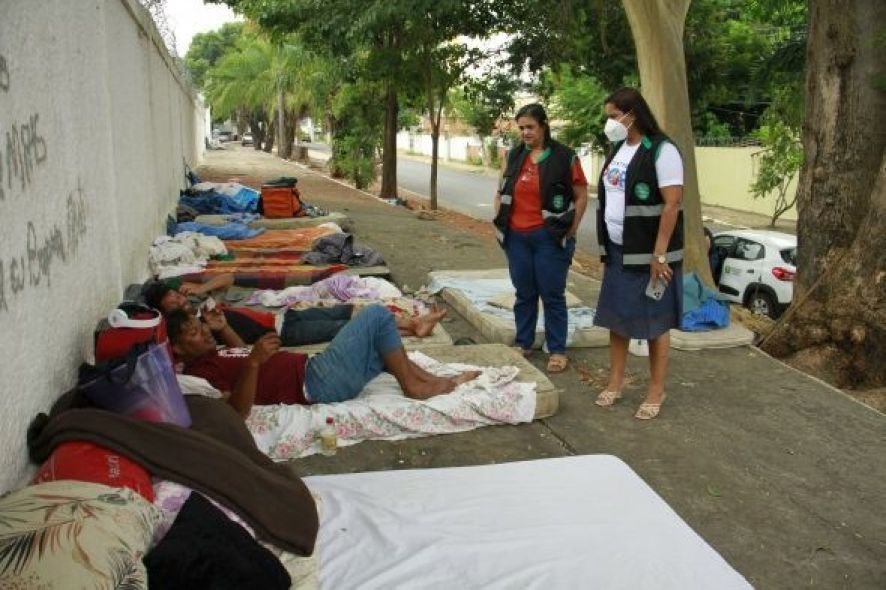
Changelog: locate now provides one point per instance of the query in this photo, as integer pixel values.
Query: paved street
(467, 191)
(471, 193)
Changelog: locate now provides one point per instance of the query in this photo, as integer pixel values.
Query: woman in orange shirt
(538, 208)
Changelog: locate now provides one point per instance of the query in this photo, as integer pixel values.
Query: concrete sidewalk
(780, 473)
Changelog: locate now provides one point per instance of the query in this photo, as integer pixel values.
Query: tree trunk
(389, 148)
(435, 149)
(282, 150)
(657, 28)
(484, 153)
(330, 125)
(269, 137)
(838, 317)
(256, 127)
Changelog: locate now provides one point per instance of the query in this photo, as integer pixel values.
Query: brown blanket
(216, 456)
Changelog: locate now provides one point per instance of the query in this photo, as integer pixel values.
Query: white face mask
(615, 130)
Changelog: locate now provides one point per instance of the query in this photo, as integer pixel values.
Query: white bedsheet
(481, 293)
(382, 412)
(572, 522)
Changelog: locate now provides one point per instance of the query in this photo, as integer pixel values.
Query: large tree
(838, 317)
(481, 103)
(368, 32)
(439, 59)
(267, 82)
(207, 48)
(657, 27)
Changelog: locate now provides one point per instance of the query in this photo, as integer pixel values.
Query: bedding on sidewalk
(269, 276)
(382, 412)
(339, 288)
(570, 522)
(285, 239)
(270, 497)
(487, 294)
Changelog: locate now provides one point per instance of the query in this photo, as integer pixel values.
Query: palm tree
(266, 85)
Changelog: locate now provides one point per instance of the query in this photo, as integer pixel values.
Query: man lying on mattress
(369, 344)
(239, 326)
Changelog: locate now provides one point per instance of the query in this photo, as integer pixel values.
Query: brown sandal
(557, 363)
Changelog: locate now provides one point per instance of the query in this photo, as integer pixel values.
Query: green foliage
(710, 127)
(357, 135)
(728, 47)
(778, 163)
(408, 117)
(208, 48)
(578, 101)
(481, 102)
(491, 147)
(242, 78)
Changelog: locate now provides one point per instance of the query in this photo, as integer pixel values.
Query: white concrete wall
(724, 174)
(94, 128)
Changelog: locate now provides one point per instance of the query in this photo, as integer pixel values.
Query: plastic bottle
(328, 437)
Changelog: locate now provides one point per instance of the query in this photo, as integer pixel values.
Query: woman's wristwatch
(661, 258)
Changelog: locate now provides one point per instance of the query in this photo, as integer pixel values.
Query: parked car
(757, 269)
(225, 135)
(246, 139)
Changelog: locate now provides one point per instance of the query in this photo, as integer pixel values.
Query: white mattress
(572, 522)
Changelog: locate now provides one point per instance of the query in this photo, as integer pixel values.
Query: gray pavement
(782, 474)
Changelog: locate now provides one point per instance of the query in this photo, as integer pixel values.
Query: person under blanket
(369, 344)
(239, 326)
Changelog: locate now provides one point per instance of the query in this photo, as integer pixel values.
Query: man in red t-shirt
(239, 326)
(369, 344)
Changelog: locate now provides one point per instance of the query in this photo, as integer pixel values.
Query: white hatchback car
(756, 269)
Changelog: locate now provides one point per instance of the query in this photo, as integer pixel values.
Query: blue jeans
(315, 324)
(538, 266)
(354, 357)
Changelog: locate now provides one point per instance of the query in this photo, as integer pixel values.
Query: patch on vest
(558, 203)
(642, 191)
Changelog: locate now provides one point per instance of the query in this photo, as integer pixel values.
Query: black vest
(555, 186)
(643, 207)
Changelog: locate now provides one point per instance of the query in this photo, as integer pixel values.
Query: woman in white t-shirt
(640, 231)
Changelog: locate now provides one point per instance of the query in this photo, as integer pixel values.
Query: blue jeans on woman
(538, 265)
(353, 358)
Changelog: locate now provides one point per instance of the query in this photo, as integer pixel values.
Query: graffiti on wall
(46, 245)
(47, 242)
(25, 151)
(22, 147)
(4, 75)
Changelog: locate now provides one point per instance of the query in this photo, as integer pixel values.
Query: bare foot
(423, 325)
(427, 388)
(464, 377)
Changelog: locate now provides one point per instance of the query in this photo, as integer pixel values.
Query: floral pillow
(72, 534)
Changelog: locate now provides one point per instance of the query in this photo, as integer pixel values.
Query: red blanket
(290, 240)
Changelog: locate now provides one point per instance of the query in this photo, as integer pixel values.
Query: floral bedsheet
(382, 412)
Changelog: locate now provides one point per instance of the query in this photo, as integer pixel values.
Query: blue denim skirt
(623, 306)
